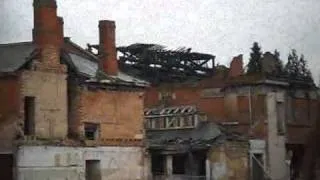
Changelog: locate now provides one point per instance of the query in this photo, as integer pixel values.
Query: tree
(254, 65)
(279, 64)
(296, 68)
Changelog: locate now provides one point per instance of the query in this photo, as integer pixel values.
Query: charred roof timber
(156, 64)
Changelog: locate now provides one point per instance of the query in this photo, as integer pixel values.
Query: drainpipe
(250, 108)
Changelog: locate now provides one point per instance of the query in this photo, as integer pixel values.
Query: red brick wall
(151, 97)
(223, 109)
(186, 96)
(9, 110)
(119, 113)
(213, 107)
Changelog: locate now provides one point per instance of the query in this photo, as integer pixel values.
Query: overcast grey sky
(224, 28)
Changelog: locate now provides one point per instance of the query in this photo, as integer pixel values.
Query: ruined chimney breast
(236, 66)
(107, 47)
(48, 35)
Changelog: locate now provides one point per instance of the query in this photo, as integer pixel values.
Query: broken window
(172, 122)
(93, 170)
(91, 131)
(188, 121)
(159, 123)
(29, 115)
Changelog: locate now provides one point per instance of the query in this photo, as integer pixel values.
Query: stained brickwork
(236, 105)
(118, 113)
(9, 110)
(229, 161)
(50, 92)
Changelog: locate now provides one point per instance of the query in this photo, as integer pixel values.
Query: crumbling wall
(119, 113)
(52, 162)
(50, 92)
(9, 111)
(229, 161)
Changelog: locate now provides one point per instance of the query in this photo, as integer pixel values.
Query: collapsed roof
(16, 55)
(201, 137)
(156, 64)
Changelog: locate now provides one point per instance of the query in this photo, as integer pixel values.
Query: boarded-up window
(259, 107)
(301, 109)
(29, 115)
(159, 123)
(243, 108)
(313, 111)
(243, 104)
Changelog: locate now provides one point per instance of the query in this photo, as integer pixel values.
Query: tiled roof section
(13, 56)
(84, 66)
(170, 111)
(87, 64)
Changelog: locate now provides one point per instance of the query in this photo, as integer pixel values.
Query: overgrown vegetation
(254, 65)
(295, 68)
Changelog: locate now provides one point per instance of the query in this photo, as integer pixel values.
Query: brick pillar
(107, 47)
(47, 34)
(236, 66)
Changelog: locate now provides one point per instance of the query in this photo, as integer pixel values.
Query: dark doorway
(29, 115)
(178, 164)
(93, 170)
(257, 167)
(157, 164)
(6, 165)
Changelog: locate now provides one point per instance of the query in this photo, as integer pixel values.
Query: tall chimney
(236, 66)
(107, 47)
(47, 32)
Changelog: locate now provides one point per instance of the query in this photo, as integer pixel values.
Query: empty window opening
(93, 170)
(91, 131)
(29, 115)
(157, 164)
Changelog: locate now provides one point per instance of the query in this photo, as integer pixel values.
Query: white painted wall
(68, 163)
(278, 168)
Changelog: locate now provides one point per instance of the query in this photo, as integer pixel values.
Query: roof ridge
(68, 40)
(17, 43)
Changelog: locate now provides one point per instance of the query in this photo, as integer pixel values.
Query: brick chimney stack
(47, 33)
(236, 66)
(107, 47)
